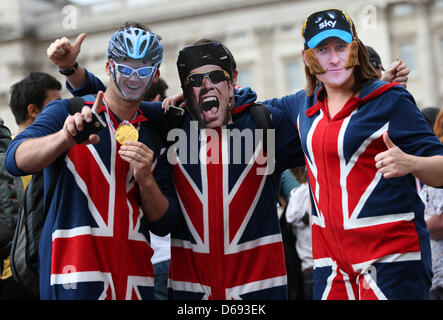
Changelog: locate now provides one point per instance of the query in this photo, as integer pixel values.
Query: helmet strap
(114, 77)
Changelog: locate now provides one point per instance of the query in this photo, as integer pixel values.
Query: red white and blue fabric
(95, 242)
(217, 215)
(227, 244)
(369, 237)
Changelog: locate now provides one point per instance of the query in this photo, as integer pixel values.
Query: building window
(438, 4)
(295, 77)
(136, 3)
(407, 54)
(402, 9)
(244, 78)
(239, 36)
(102, 7)
(441, 51)
(290, 27)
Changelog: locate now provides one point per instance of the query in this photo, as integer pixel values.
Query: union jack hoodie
(227, 242)
(360, 220)
(95, 240)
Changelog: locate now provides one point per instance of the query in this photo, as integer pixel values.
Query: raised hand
(397, 72)
(64, 53)
(175, 100)
(140, 157)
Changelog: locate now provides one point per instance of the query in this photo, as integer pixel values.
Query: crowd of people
(157, 197)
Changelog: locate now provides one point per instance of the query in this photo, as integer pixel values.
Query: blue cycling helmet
(137, 44)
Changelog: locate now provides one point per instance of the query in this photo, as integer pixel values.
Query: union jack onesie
(95, 240)
(227, 242)
(369, 236)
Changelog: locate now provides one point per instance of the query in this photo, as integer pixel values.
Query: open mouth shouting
(209, 107)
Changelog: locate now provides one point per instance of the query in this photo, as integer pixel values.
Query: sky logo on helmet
(327, 24)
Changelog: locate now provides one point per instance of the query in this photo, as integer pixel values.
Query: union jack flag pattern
(95, 242)
(369, 236)
(228, 243)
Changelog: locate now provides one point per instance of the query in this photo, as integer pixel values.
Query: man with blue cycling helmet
(134, 56)
(110, 192)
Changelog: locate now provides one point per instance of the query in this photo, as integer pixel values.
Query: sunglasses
(127, 71)
(215, 76)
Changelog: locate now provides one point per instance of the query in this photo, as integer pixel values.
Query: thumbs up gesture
(64, 53)
(393, 162)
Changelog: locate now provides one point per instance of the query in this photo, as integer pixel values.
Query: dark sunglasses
(215, 76)
(128, 71)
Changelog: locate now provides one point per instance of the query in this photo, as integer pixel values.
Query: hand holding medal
(140, 157)
(126, 132)
(136, 153)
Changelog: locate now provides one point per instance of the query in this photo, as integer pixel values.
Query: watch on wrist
(69, 71)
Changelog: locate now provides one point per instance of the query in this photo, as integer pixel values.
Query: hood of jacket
(244, 96)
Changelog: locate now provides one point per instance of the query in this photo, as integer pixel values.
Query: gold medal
(126, 132)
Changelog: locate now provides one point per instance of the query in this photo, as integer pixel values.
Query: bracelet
(69, 71)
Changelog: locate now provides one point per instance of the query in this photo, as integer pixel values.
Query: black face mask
(192, 57)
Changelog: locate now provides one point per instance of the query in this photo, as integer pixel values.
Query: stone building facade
(263, 35)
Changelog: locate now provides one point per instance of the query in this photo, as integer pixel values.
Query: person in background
(28, 97)
(293, 263)
(438, 125)
(157, 91)
(398, 71)
(433, 199)
(298, 215)
(161, 245)
(430, 114)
